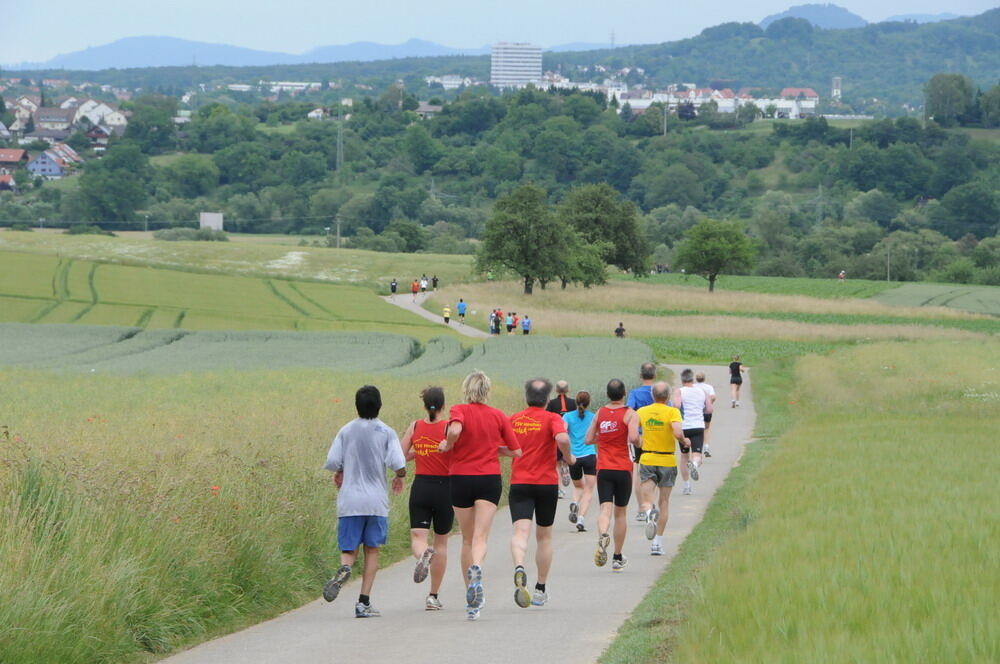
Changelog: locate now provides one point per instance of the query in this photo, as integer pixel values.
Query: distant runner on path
(534, 487)
(434, 282)
(693, 405)
(393, 286)
(736, 371)
(710, 398)
(584, 471)
(430, 495)
(415, 288)
(461, 308)
(358, 457)
(526, 325)
(614, 428)
(620, 331)
(446, 314)
(478, 435)
(661, 431)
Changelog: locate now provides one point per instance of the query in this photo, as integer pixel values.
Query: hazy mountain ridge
(829, 16)
(923, 18)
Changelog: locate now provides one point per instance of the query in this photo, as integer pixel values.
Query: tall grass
(864, 546)
(141, 514)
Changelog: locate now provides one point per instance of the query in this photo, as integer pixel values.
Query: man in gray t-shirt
(360, 453)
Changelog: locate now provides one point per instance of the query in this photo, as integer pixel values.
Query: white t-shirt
(707, 389)
(693, 406)
(363, 449)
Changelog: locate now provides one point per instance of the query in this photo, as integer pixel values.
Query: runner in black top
(620, 331)
(736, 370)
(393, 285)
(562, 404)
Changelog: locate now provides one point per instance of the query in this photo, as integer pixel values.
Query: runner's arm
(562, 441)
(510, 447)
(633, 427)
(407, 442)
(451, 435)
(590, 438)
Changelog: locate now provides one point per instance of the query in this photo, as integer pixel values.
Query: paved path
(587, 604)
(405, 300)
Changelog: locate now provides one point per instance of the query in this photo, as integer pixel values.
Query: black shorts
(697, 437)
(708, 418)
(538, 500)
(614, 486)
(467, 489)
(510, 327)
(585, 465)
(736, 380)
(527, 331)
(430, 502)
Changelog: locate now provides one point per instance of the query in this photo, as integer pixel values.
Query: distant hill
(370, 51)
(830, 17)
(922, 18)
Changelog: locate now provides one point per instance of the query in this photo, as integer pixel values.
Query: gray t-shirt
(363, 449)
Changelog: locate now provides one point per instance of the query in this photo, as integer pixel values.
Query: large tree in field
(948, 97)
(602, 217)
(711, 248)
(524, 237)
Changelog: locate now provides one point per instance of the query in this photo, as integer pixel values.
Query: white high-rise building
(515, 65)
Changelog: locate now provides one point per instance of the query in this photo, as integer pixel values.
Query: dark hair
(433, 401)
(368, 401)
(582, 401)
(616, 389)
(647, 371)
(537, 391)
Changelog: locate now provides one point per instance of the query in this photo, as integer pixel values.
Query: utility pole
(337, 219)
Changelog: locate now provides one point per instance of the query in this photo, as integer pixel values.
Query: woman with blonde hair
(477, 436)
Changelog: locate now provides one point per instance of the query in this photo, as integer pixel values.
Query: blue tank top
(577, 430)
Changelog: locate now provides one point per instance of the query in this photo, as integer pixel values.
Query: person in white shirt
(360, 453)
(693, 405)
(710, 398)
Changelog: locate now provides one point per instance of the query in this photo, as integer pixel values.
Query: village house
(97, 112)
(4, 132)
(11, 159)
(66, 153)
(427, 111)
(50, 136)
(99, 136)
(47, 165)
(317, 114)
(7, 183)
(54, 118)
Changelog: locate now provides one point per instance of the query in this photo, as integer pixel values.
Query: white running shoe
(656, 549)
(619, 565)
(640, 516)
(539, 597)
(686, 491)
(433, 604)
(708, 452)
(651, 521)
(366, 611)
(471, 613)
(574, 508)
(423, 565)
(693, 469)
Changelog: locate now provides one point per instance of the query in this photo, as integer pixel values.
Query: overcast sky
(32, 30)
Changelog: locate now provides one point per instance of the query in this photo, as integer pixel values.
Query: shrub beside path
(405, 300)
(587, 604)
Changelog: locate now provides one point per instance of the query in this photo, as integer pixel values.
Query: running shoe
(573, 510)
(693, 468)
(619, 565)
(471, 613)
(686, 491)
(734, 404)
(640, 516)
(580, 528)
(564, 473)
(539, 597)
(366, 611)
(737, 404)
(333, 586)
(423, 565)
(562, 494)
(708, 452)
(601, 555)
(654, 516)
(475, 596)
(433, 604)
(521, 595)
(656, 549)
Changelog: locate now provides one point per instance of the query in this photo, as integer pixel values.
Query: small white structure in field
(211, 220)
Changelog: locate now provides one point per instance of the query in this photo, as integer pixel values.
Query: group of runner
(629, 444)
(417, 286)
(510, 321)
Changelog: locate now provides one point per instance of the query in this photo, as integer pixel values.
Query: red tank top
(612, 439)
(426, 437)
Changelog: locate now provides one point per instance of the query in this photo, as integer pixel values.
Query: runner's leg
(664, 507)
(543, 554)
(519, 541)
(466, 517)
(371, 567)
(418, 541)
(440, 562)
(484, 511)
(589, 482)
(621, 527)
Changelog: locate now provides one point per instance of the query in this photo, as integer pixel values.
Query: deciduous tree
(711, 248)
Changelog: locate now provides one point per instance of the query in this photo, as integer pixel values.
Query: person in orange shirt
(415, 288)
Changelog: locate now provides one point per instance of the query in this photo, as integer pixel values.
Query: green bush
(20, 227)
(87, 229)
(190, 235)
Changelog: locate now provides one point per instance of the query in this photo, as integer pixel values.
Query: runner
(446, 313)
(710, 398)
(415, 288)
(620, 331)
(430, 495)
(509, 322)
(637, 398)
(434, 282)
(478, 434)
(358, 457)
(526, 325)
(693, 405)
(461, 308)
(534, 486)
(613, 429)
(423, 284)
(393, 286)
(560, 405)
(736, 370)
(584, 471)
(661, 426)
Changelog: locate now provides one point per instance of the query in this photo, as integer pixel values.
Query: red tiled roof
(6, 179)
(11, 155)
(799, 92)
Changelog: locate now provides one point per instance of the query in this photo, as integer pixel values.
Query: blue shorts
(353, 531)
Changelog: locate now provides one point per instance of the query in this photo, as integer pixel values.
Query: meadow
(825, 288)
(977, 299)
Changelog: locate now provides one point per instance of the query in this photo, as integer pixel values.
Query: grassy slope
(812, 558)
(977, 299)
(823, 288)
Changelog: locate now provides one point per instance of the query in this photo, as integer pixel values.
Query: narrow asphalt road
(587, 604)
(406, 301)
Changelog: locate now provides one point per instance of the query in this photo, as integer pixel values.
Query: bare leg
(646, 492)
(543, 555)
(440, 562)
(371, 567)
(466, 522)
(661, 525)
(484, 512)
(519, 541)
(621, 527)
(685, 475)
(348, 557)
(604, 520)
(696, 457)
(577, 491)
(589, 482)
(418, 541)
(734, 389)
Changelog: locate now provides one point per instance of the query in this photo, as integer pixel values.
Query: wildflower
(216, 489)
